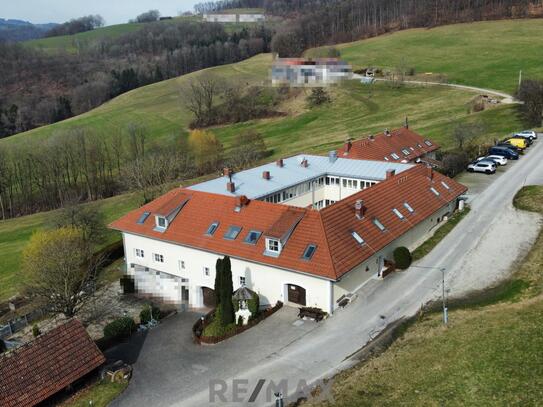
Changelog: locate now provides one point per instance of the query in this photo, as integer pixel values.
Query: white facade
(234, 18)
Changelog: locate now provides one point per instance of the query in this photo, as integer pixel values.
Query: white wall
(268, 282)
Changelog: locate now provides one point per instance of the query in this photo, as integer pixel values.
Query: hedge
(145, 314)
(402, 257)
(120, 328)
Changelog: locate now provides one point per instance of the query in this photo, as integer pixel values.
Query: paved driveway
(172, 372)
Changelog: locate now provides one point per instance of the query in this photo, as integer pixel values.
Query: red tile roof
(43, 367)
(329, 229)
(381, 145)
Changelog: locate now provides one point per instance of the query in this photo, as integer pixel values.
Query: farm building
(299, 72)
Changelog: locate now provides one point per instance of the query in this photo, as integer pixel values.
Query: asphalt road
(326, 348)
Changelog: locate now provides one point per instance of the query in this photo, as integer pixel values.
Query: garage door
(209, 297)
(296, 294)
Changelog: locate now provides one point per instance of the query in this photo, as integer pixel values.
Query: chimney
(359, 209)
(304, 163)
(266, 175)
(387, 132)
(430, 172)
(372, 137)
(332, 156)
(226, 171)
(280, 162)
(241, 201)
(347, 146)
(390, 174)
(231, 187)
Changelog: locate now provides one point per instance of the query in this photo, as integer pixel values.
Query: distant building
(298, 72)
(400, 145)
(37, 370)
(234, 18)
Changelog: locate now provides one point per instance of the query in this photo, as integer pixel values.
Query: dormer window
(273, 247)
(395, 156)
(161, 223)
(428, 143)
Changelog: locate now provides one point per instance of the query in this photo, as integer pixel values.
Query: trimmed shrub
(120, 328)
(35, 330)
(402, 257)
(145, 314)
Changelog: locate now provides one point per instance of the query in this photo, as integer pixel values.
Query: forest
(37, 88)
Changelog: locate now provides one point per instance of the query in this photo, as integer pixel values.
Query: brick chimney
(266, 175)
(372, 137)
(387, 133)
(430, 172)
(280, 163)
(304, 163)
(241, 201)
(226, 172)
(347, 146)
(231, 187)
(359, 209)
(390, 174)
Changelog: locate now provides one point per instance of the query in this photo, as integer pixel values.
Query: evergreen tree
(218, 282)
(227, 308)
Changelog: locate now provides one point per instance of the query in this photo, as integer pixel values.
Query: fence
(19, 323)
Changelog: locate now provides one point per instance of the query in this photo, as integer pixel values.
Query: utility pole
(519, 78)
(445, 310)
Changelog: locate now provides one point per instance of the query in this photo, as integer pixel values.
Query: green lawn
(15, 233)
(486, 54)
(100, 394)
(488, 355)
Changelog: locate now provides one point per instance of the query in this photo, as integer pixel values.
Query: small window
(358, 238)
(428, 142)
(344, 183)
(140, 253)
(378, 223)
(445, 185)
(212, 228)
(206, 271)
(309, 251)
(398, 213)
(408, 207)
(272, 245)
(435, 191)
(181, 265)
(159, 258)
(161, 221)
(386, 158)
(252, 237)
(242, 281)
(143, 218)
(232, 232)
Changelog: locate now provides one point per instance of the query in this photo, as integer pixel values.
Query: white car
(482, 166)
(498, 159)
(530, 134)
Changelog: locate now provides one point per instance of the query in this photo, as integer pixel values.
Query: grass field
(15, 233)
(485, 54)
(488, 355)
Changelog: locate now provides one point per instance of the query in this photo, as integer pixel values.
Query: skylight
(386, 158)
(435, 191)
(405, 151)
(357, 238)
(252, 237)
(212, 228)
(143, 218)
(309, 251)
(377, 223)
(428, 142)
(445, 185)
(395, 156)
(408, 207)
(232, 232)
(412, 149)
(397, 213)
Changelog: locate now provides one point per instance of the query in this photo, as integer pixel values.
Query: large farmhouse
(306, 230)
(300, 72)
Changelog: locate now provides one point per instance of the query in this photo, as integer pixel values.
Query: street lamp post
(443, 293)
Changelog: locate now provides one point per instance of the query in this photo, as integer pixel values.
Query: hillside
(485, 54)
(488, 355)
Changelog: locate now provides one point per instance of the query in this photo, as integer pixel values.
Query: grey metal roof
(251, 183)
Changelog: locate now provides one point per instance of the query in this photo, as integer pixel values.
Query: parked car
(482, 166)
(504, 152)
(529, 134)
(510, 147)
(498, 159)
(518, 142)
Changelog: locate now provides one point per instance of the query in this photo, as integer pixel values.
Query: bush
(318, 96)
(145, 314)
(120, 328)
(402, 257)
(35, 330)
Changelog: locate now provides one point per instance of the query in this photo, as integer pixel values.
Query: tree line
(38, 88)
(77, 25)
(78, 165)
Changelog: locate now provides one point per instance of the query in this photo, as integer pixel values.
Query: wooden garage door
(296, 294)
(209, 297)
